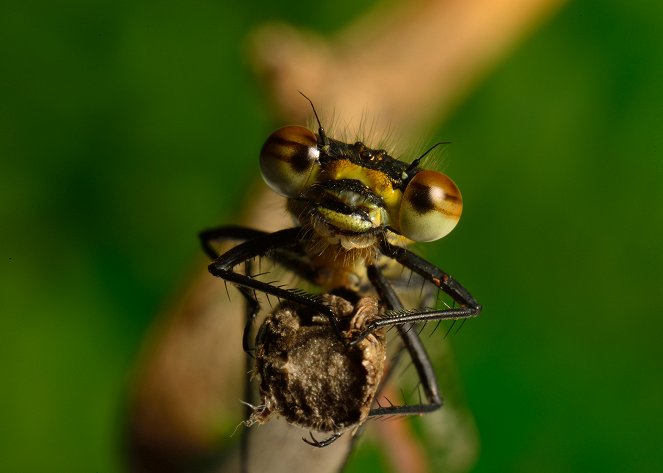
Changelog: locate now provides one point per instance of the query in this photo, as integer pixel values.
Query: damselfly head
(354, 189)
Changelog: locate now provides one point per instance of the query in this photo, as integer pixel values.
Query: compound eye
(288, 159)
(430, 207)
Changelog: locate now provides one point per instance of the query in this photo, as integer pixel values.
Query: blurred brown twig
(409, 64)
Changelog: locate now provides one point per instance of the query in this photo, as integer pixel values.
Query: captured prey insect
(321, 357)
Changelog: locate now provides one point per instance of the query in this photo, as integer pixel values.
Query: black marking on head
(341, 208)
(361, 155)
(353, 185)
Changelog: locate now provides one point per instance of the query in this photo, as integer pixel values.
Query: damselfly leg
(285, 248)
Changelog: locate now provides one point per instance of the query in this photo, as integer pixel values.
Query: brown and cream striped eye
(430, 207)
(288, 159)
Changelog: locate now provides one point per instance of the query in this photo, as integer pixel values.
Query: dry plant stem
(407, 64)
(191, 371)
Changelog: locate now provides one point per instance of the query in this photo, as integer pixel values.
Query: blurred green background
(126, 127)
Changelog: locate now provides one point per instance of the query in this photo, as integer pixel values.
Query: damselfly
(356, 209)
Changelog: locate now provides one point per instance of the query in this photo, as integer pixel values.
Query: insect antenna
(323, 141)
(416, 162)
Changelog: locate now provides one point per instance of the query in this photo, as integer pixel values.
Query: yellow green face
(354, 190)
